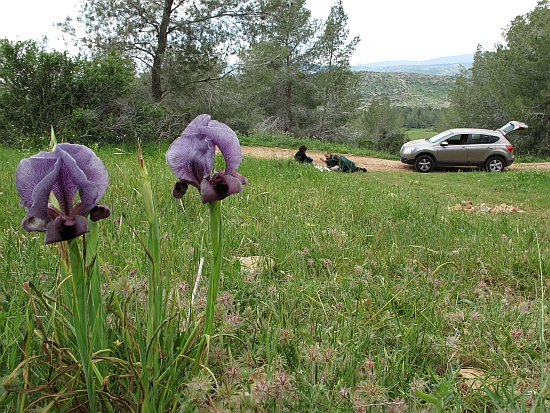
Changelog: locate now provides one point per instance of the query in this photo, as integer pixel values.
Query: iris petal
(191, 158)
(63, 229)
(34, 224)
(241, 178)
(65, 188)
(219, 187)
(99, 212)
(68, 170)
(85, 171)
(195, 124)
(228, 142)
(180, 188)
(34, 178)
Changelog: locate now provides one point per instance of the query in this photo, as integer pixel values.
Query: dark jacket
(331, 162)
(302, 157)
(346, 165)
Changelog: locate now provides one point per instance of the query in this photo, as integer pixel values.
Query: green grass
(289, 141)
(379, 290)
(413, 134)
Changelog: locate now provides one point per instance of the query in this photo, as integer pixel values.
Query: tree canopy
(149, 30)
(510, 83)
(296, 70)
(291, 72)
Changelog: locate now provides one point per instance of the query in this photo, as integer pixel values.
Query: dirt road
(372, 164)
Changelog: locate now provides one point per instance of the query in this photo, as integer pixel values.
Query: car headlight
(407, 151)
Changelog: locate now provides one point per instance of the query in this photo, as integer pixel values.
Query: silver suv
(483, 148)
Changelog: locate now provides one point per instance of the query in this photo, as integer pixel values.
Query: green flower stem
(95, 303)
(214, 280)
(150, 359)
(81, 321)
(155, 298)
(215, 226)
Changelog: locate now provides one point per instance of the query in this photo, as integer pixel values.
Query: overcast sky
(423, 29)
(389, 29)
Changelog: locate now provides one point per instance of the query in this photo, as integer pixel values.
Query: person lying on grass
(344, 164)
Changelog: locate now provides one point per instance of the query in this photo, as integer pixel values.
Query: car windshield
(440, 137)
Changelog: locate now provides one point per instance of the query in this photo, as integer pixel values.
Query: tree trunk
(158, 59)
(289, 115)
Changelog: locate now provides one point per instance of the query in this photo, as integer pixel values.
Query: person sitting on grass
(301, 155)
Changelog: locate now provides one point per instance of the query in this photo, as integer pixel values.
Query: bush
(78, 97)
(391, 144)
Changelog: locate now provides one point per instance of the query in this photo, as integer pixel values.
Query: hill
(407, 89)
(445, 66)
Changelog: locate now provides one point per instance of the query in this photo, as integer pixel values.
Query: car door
(454, 151)
(480, 147)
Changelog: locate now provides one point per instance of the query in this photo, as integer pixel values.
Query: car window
(509, 127)
(477, 139)
(440, 137)
(512, 126)
(454, 140)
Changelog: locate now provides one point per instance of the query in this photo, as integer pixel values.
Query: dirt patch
(372, 164)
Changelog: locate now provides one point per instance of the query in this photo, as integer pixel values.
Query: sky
(389, 29)
(423, 29)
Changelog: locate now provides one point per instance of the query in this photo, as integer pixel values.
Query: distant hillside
(407, 89)
(445, 66)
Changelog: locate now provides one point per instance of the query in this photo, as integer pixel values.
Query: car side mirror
(444, 143)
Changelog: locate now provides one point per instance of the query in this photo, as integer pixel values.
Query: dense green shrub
(82, 99)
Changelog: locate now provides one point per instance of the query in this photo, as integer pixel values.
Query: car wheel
(424, 163)
(495, 164)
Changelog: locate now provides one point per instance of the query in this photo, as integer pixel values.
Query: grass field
(413, 134)
(382, 298)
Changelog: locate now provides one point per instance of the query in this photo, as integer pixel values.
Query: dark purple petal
(225, 139)
(191, 158)
(64, 229)
(180, 188)
(90, 164)
(99, 212)
(65, 189)
(219, 187)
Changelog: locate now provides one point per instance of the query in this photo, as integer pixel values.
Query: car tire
(495, 164)
(424, 163)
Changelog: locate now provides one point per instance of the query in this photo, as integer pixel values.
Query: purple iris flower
(191, 158)
(64, 172)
